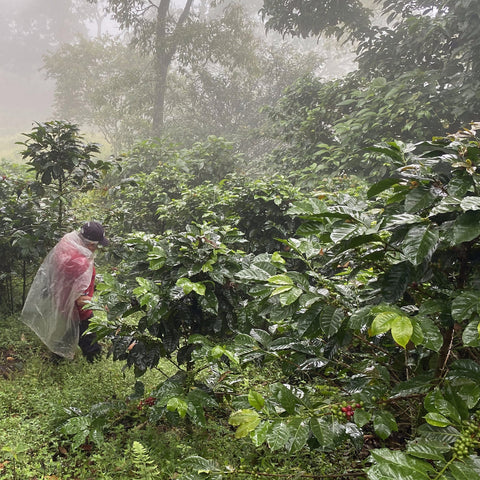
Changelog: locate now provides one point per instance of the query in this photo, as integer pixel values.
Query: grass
(38, 397)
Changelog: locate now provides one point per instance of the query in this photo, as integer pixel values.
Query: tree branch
(180, 22)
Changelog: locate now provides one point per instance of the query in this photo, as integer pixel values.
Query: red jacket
(72, 265)
(86, 314)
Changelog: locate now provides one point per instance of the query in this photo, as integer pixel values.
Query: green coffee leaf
(382, 323)
(437, 419)
(246, 420)
(255, 400)
(394, 464)
(471, 334)
(282, 279)
(420, 243)
(418, 199)
(288, 295)
(199, 465)
(395, 281)
(330, 319)
(464, 305)
(278, 435)
(277, 258)
(466, 227)
(188, 286)
(384, 424)
(259, 435)
(328, 432)
(432, 337)
(465, 470)
(427, 449)
(287, 399)
(382, 186)
(299, 432)
(178, 405)
(402, 330)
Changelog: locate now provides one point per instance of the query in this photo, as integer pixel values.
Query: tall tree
(156, 29)
(223, 74)
(110, 85)
(417, 72)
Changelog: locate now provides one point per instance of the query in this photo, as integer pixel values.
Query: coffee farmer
(63, 286)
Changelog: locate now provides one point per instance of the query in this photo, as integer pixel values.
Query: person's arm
(82, 300)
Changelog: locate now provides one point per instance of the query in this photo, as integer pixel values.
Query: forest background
(294, 215)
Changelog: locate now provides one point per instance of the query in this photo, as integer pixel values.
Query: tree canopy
(410, 73)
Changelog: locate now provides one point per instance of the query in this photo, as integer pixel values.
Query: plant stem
(441, 472)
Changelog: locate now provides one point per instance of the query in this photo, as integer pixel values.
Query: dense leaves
(376, 283)
(62, 161)
(314, 18)
(410, 73)
(26, 231)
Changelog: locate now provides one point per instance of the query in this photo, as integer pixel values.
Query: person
(62, 288)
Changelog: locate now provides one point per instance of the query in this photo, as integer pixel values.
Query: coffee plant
(387, 287)
(366, 318)
(25, 236)
(183, 286)
(62, 163)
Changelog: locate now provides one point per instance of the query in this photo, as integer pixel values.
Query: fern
(143, 466)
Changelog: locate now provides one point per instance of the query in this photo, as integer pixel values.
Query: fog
(30, 29)
(23, 99)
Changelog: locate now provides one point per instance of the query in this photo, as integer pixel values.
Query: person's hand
(83, 300)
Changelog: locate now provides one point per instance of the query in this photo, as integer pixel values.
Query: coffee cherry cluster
(468, 440)
(147, 402)
(344, 410)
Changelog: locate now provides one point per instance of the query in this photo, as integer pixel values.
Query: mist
(34, 31)
(30, 30)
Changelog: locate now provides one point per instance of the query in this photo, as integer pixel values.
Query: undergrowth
(38, 395)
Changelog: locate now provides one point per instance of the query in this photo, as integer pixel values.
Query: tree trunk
(165, 48)
(60, 203)
(161, 70)
(24, 281)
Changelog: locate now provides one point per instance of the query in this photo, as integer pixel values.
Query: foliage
(367, 319)
(315, 18)
(256, 207)
(144, 466)
(61, 162)
(223, 75)
(222, 90)
(26, 233)
(167, 174)
(200, 184)
(399, 265)
(409, 76)
(211, 161)
(155, 29)
(320, 122)
(39, 397)
(105, 75)
(36, 209)
(183, 285)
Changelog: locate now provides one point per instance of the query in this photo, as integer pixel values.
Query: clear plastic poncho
(50, 309)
